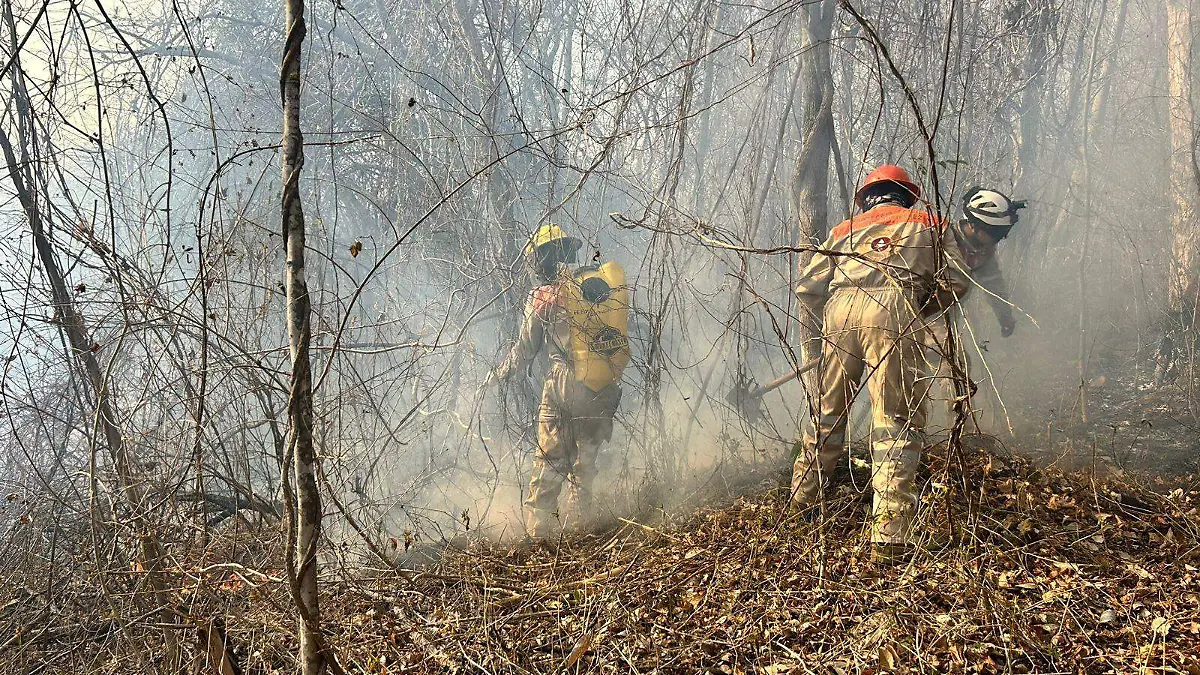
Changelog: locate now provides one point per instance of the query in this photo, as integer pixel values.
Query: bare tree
(304, 500)
(83, 349)
(1184, 184)
(1181, 83)
(811, 182)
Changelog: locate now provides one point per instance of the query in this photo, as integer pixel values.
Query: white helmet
(990, 208)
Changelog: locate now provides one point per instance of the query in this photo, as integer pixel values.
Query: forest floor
(1046, 571)
(1091, 570)
(1130, 423)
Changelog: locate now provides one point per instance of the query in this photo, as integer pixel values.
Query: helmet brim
(571, 244)
(986, 219)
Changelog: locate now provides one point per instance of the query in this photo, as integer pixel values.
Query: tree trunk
(1038, 20)
(1093, 109)
(811, 189)
(1182, 282)
(304, 503)
(1185, 189)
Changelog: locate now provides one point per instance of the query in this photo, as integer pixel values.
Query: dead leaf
(888, 658)
(1161, 626)
(355, 249)
(581, 647)
(1140, 571)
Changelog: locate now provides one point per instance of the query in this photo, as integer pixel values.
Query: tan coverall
(878, 275)
(573, 420)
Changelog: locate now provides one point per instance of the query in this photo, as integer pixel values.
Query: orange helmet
(887, 173)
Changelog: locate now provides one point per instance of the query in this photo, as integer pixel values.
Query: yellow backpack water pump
(597, 302)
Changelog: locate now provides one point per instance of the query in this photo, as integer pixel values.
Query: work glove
(1008, 325)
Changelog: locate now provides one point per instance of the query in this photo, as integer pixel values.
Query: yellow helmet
(548, 234)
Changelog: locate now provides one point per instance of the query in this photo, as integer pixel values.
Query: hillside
(1052, 572)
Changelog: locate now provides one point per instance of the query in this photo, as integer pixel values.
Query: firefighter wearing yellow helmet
(580, 316)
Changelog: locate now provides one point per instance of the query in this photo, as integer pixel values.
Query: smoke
(435, 149)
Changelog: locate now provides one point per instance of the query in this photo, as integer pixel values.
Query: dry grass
(1047, 572)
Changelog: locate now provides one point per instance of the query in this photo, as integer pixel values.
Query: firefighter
(872, 281)
(579, 316)
(987, 218)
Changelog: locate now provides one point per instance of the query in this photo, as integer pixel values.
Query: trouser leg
(898, 422)
(591, 426)
(935, 382)
(573, 422)
(552, 463)
(580, 485)
(824, 438)
(938, 387)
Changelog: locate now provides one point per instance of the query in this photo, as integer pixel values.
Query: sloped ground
(1051, 573)
(1048, 572)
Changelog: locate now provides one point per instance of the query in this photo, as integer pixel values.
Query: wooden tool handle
(781, 380)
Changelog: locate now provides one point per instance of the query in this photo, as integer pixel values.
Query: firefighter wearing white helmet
(579, 315)
(987, 218)
(991, 209)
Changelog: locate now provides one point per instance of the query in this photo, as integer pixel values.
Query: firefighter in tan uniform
(866, 291)
(580, 317)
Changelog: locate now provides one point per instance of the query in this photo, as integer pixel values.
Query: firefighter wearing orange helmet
(865, 291)
(579, 316)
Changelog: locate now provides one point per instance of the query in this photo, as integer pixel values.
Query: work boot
(539, 524)
(936, 543)
(929, 545)
(579, 514)
(801, 513)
